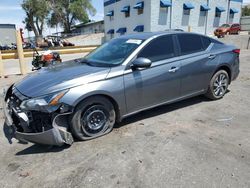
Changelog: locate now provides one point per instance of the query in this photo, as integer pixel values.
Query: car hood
(62, 76)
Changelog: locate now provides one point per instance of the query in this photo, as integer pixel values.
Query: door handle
(211, 56)
(173, 69)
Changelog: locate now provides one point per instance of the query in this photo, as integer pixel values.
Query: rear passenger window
(206, 42)
(190, 43)
(159, 49)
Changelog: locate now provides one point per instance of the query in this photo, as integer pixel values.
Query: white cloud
(246, 1)
(98, 16)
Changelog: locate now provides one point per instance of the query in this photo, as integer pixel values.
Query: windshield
(225, 25)
(113, 52)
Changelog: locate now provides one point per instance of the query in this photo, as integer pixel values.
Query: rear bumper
(57, 135)
(236, 68)
(235, 75)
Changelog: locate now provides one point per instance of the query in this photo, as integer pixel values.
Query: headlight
(48, 103)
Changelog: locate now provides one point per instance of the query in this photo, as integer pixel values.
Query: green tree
(245, 11)
(37, 12)
(68, 12)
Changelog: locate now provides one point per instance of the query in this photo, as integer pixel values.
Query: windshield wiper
(85, 61)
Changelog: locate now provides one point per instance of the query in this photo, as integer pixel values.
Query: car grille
(38, 121)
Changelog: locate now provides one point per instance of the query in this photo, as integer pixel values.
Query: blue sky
(11, 12)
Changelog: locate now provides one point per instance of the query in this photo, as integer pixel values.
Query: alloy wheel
(220, 85)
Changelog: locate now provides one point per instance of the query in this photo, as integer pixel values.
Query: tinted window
(190, 43)
(225, 25)
(159, 49)
(235, 25)
(206, 42)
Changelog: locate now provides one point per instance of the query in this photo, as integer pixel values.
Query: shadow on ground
(37, 149)
(162, 110)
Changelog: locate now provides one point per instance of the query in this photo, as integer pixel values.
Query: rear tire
(218, 85)
(93, 117)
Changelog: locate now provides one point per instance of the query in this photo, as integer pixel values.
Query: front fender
(114, 88)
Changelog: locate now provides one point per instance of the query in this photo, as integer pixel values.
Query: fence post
(248, 43)
(1, 66)
(23, 67)
(189, 28)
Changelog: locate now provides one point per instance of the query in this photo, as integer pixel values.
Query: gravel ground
(193, 143)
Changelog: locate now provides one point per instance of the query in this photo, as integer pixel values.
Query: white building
(89, 28)
(7, 34)
(201, 16)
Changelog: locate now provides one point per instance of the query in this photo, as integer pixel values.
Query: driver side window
(159, 49)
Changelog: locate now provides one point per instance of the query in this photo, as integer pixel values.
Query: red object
(237, 51)
(21, 33)
(48, 57)
(227, 29)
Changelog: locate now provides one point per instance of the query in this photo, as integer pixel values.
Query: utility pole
(23, 67)
(206, 21)
(1, 66)
(228, 10)
(171, 12)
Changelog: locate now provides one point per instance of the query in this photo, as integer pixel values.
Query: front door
(157, 84)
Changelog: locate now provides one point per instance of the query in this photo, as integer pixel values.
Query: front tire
(218, 85)
(92, 118)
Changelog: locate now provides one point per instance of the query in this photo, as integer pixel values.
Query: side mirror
(141, 62)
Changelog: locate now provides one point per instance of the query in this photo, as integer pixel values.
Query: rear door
(233, 29)
(236, 28)
(194, 61)
(157, 84)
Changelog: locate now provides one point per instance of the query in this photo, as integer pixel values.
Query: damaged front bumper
(57, 135)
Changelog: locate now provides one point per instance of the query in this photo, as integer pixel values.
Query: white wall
(236, 17)
(131, 22)
(214, 22)
(155, 18)
(7, 35)
(196, 19)
(160, 17)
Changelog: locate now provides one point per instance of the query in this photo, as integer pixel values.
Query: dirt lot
(193, 143)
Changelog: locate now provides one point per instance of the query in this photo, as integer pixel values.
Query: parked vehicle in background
(124, 76)
(5, 47)
(54, 41)
(226, 29)
(65, 42)
(26, 45)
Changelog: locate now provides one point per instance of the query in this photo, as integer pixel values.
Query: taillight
(237, 51)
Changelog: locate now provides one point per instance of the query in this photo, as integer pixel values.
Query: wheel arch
(111, 99)
(225, 68)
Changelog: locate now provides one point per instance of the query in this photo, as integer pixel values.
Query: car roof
(147, 35)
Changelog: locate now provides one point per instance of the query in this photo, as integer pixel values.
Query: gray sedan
(84, 98)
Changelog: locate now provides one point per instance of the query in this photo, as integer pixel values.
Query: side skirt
(166, 102)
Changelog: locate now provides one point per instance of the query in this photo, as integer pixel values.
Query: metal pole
(248, 43)
(206, 21)
(23, 67)
(171, 12)
(1, 66)
(228, 11)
